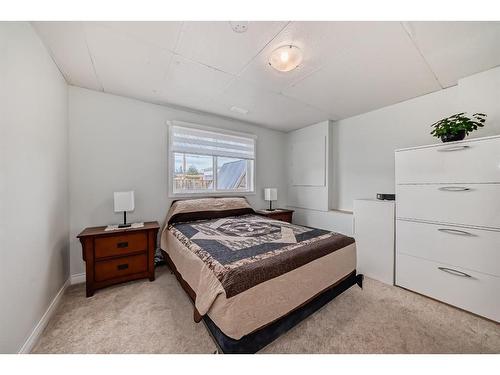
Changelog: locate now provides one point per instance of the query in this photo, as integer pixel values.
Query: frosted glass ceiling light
(286, 58)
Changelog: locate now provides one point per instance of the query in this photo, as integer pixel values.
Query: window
(206, 161)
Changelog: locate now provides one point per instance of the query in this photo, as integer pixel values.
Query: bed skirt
(258, 339)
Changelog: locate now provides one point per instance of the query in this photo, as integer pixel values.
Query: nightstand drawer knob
(122, 266)
(122, 244)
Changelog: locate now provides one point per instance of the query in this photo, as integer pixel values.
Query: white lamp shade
(124, 201)
(271, 194)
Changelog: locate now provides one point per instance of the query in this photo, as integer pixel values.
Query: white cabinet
(448, 223)
(469, 290)
(470, 204)
(469, 248)
(374, 234)
(471, 161)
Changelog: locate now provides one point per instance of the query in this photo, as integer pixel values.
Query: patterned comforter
(243, 251)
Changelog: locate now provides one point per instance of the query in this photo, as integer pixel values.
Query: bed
(252, 278)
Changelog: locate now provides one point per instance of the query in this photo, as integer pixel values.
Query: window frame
(214, 191)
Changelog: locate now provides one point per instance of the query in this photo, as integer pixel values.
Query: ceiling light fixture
(286, 58)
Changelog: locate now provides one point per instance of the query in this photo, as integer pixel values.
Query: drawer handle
(122, 267)
(454, 272)
(122, 244)
(456, 231)
(453, 148)
(454, 188)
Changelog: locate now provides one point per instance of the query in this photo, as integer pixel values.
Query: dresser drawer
(476, 292)
(110, 269)
(462, 162)
(467, 204)
(120, 244)
(472, 249)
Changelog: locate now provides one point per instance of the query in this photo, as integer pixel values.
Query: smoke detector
(239, 26)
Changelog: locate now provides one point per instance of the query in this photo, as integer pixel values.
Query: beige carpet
(144, 317)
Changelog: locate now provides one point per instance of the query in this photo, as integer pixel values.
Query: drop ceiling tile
(125, 66)
(381, 68)
(455, 50)
(163, 34)
(217, 45)
(192, 84)
(261, 74)
(67, 44)
(268, 108)
(206, 105)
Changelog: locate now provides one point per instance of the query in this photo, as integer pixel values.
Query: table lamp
(271, 194)
(124, 201)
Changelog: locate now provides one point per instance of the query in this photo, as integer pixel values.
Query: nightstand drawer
(120, 245)
(277, 214)
(282, 217)
(110, 269)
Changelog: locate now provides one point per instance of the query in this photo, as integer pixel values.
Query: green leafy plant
(457, 124)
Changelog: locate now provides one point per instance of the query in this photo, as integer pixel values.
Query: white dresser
(448, 223)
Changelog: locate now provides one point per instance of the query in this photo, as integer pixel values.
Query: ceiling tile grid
(125, 66)
(379, 68)
(455, 50)
(310, 37)
(320, 42)
(187, 82)
(348, 67)
(215, 44)
(162, 34)
(270, 109)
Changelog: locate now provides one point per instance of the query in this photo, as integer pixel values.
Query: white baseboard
(77, 278)
(37, 331)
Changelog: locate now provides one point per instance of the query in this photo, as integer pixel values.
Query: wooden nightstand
(117, 256)
(277, 214)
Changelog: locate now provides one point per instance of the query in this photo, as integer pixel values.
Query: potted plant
(456, 127)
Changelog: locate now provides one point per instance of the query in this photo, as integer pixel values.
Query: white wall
(118, 144)
(312, 191)
(363, 146)
(34, 258)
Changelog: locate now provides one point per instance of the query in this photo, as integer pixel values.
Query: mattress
(283, 269)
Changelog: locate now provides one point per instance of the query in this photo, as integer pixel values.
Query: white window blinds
(203, 142)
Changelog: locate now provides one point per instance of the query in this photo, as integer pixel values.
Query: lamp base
(125, 224)
(270, 206)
